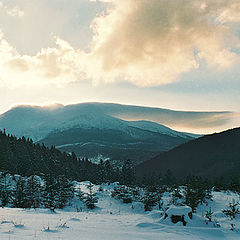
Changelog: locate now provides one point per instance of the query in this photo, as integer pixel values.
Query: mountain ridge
(213, 155)
(68, 128)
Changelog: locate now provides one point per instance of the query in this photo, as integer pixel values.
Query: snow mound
(178, 210)
(180, 215)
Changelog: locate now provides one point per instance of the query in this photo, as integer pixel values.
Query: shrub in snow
(176, 197)
(150, 200)
(127, 198)
(196, 192)
(208, 215)
(233, 211)
(136, 194)
(122, 192)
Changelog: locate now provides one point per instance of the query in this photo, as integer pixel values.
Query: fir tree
(150, 200)
(33, 192)
(80, 195)
(65, 191)
(176, 196)
(128, 173)
(5, 190)
(191, 198)
(234, 184)
(50, 195)
(19, 196)
(90, 198)
(196, 192)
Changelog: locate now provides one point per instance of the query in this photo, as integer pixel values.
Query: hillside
(93, 130)
(115, 145)
(22, 156)
(212, 155)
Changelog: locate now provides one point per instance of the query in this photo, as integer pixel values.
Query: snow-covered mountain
(91, 129)
(37, 122)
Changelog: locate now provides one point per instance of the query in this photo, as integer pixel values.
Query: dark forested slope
(212, 155)
(22, 156)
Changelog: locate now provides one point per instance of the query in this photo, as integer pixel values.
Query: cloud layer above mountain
(145, 42)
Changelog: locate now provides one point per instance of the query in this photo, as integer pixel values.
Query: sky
(181, 55)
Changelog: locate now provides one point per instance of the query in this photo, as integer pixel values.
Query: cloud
(12, 11)
(15, 12)
(49, 66)
(145, 42)
(154, 42)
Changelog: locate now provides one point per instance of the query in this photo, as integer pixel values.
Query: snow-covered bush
(233, 210)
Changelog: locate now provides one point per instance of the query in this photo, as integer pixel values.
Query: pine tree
(64, 191)
(191, 198)
(128, 173)
(176, 196)
(90, 198)
(50, 196)
(33, 192)
(197, 192)
(80, 195)
(5, 190)
(234, 184)
(101, 172)
(168, 178)
(19, 196)
(150, 200)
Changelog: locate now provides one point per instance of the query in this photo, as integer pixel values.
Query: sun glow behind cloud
(144, 42)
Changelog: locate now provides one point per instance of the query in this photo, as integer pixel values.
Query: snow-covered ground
(113, 220)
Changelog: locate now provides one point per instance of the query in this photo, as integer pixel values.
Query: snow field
(113, 220)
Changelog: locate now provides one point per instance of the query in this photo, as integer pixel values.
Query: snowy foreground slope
(114, 220)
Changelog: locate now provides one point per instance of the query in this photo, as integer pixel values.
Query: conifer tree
(191, 198)
(64, 191)
(50, 196)
(176, 196)
(80, 195)
(5, 190)
(196, 191)
(128, 173)
(234, 184)
(90, 198)
(150, 200)
(33, 192)
(19, 196)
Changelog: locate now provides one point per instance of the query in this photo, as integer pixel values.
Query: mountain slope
(38, 122)
(210, 156)
(91, 130)
(116, 145)
(22, 156)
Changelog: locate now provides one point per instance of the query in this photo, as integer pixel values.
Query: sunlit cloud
(15, 12)
(49, 66)
(154, 42)
(12, 11)
(145, 42)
